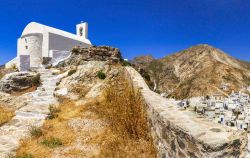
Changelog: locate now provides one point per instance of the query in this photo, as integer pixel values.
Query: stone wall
(181, 133)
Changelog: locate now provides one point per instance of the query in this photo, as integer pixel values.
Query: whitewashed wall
(34, 49)
(57, 42)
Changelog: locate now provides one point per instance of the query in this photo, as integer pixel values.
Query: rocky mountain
(196, 71)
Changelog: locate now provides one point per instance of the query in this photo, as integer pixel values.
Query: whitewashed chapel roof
(35, 27)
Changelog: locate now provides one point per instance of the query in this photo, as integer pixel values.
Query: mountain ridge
(195, 70)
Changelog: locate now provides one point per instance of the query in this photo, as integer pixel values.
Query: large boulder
(94, 53)
(19, 81)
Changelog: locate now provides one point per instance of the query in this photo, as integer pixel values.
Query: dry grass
(128, 134)
(80, 90)
(5, 115)
(1, 75)
(54, 128)
(125, 133)
(4, 71)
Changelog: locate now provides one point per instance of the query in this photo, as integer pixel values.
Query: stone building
(39, 41)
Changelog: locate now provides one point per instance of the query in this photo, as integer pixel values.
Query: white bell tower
(82, 30)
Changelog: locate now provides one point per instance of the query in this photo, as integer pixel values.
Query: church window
(26, 47)
(81, 29)
(25, 40)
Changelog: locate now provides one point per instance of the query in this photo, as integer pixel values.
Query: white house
(38, 41)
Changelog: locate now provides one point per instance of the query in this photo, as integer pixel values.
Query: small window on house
(26, 47)
(25, 40)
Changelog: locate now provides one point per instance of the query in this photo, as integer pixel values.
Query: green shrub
(157, 91)
(57, 83)
(76, 50)
(52, 142)
(14, 67)
(52, 112)
(125, 63)
(48, 67)
(36, 80)
(101, 75)
(71, 72)
(35, 131)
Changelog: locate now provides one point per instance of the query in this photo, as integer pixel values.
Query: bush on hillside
(71, 72)
(53, 112)
(36, 81)
(125, 63)
(101, 75)
(35, 131)
(52, 142)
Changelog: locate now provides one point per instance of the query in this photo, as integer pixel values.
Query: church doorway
(24, 62)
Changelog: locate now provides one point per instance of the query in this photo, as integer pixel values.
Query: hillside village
(232, 110)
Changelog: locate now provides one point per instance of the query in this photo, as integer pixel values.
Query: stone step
(46, 97)
(47, 77)
(44, 93)
(38, 109)
(34, 115)
(49, 88)
(51, 83)
(39, 101)
(40, 89)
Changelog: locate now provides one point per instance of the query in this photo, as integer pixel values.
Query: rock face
(86, 76)
(142, 61)
(93, 53)
(18, 81)
(179, 133)
(196, 71)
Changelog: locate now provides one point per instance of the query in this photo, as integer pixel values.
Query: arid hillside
(86, 106)
(198, 70)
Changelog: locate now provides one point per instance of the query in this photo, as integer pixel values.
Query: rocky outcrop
(93, 53)
(18, 81)
(181, 133)
(86, 75)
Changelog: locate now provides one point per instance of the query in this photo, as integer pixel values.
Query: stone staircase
(33, 114)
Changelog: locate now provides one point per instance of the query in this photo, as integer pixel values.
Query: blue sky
(156, 27)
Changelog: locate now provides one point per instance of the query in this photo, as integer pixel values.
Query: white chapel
(38, 41)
